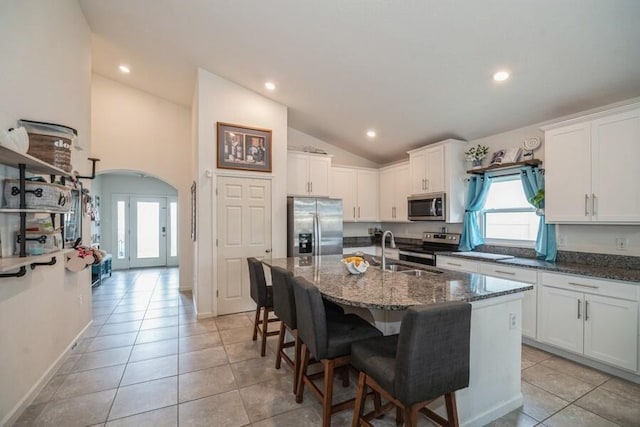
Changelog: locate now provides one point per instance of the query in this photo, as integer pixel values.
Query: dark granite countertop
(395, 291)
(598, 268)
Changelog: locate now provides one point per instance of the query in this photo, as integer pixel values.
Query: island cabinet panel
(591, 169)
(394, 191)
(594, 318)
(308, 175)
(358, 188)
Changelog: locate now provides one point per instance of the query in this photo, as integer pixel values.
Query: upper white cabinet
(358, 188)
(427, 170)
(440, 168)
(394, 191)
(591, 169)
(308, 174)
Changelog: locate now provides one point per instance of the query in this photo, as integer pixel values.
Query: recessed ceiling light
(124, 68)
(371, 133)
(270, 86)
(501, 76)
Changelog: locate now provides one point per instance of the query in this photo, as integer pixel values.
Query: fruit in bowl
(355, 264)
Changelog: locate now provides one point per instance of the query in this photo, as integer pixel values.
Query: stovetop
(433, 242)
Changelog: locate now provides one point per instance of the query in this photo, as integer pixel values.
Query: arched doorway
(137, 219)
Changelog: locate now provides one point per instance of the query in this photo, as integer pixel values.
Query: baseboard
(17, 410)
(206, 315)
(493, 413)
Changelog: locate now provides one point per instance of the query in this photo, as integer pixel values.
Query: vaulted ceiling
(416, 71)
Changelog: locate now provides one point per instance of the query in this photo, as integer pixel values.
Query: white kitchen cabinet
(439, 168)
(596, 318)
(457, 264)
(308, 174)
(358, 188)
(427, 170)
(591, 168)
(394, 191)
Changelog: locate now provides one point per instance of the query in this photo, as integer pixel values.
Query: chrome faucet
(393, 245)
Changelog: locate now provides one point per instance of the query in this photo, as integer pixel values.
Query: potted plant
(537, 200)
(476, 154)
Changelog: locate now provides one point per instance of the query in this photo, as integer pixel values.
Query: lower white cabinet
(457, 264)
(580, 315)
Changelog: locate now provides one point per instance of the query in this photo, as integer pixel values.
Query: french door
(145, 231)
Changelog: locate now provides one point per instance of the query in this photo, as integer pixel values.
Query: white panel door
(343, 187)
(561, 321)
(148, 219)
(297, 175)
(244, 230)
(616, 175)
(611, 331)
(568, 174)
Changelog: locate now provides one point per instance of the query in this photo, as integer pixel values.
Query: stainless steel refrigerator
(314, 226)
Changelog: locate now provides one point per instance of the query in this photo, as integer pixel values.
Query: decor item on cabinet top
(476, 154)
(50, 142)
(501, 157)
(15, 139)
(529, 145)
(244, 148)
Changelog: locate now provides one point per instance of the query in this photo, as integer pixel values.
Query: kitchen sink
(419, 273)
(395, 268)
(410, 270)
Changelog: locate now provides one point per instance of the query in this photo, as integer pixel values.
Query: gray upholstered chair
(428, 359)
(284, 306)
(263, 297)
(328, 339)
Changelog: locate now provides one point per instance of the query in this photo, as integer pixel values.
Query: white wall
(110, 184)
(133, 130)
(220, 100)
(299, 140)
(46, 74)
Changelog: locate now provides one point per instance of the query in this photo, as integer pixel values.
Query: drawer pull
(586, 310)
(583, 286)
(579, 304)
(453, 263)
(511, 273)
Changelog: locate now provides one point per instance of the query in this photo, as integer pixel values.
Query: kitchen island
(494, 382)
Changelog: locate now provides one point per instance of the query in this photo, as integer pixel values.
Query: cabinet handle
(427, 181)
(358, 211)
(593, 205)
(579, 305)
(453, 263)
(583, 286)
(394, 212)
(354, 212)
(506, 272)
(311, 187)
(586, 310)
(586, 202)
(424, 184)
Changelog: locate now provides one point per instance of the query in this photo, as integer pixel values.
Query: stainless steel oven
(431, 243)
(427, 207)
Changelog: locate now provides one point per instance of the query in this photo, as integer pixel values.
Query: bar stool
(263, 297)
(428, 359)
(327, 339)
(285, 309)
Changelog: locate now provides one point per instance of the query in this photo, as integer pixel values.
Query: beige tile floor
(146, 361)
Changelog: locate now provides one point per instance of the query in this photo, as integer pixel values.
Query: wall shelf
(33, 211)
(14, 262)
(480, 171)
(14, 159)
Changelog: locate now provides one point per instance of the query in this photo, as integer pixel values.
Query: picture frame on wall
(244, 148)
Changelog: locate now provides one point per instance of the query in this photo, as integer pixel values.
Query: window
(507, 215)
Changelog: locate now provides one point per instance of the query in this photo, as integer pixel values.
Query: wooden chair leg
(329, 371)
(377, 402)
(399, 416)
(411, 416)
(361, 394)
(296, 362)
(304, 362)
(265, 325)
(280, 344)
(452, 409)
(256, 322)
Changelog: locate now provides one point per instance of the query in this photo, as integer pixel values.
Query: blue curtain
(476, 196)
(532, 180)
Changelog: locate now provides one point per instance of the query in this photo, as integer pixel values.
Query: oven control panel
(448, 238)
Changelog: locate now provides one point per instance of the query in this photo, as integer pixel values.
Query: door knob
(267, 251)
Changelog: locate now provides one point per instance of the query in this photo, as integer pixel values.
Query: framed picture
(500, 157)
(244, 148)
(497, 157)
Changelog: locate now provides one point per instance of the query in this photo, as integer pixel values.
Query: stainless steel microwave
(427, 207)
